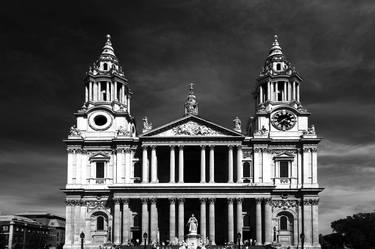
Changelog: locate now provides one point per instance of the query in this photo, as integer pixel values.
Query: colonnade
(270, 90)
(113, 91)
(206, 226)
(180, 149)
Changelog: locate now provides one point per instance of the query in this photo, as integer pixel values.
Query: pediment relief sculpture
(191, 128)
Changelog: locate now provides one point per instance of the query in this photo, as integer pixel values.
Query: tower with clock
(285, 149)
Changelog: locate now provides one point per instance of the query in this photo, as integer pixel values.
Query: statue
(237, 124)
(193, 224)
(74, 131)
(122, 132)
(146, 125)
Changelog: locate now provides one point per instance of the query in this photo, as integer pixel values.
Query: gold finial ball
(108, 36)
(275, 37)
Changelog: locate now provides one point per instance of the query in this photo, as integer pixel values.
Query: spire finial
(191, 104)
(275, 49)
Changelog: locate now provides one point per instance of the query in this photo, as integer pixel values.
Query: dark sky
(46, 48)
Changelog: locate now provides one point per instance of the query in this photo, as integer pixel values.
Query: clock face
(283, 120)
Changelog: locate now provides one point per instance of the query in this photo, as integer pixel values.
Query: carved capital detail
(267, 201)
(258, 200)
(144, 200)
(117, 201)
(211, 200)
(230, 200)
(172, 200)
(181, 200)
(239, 200)
(203, 200)
(284, 203)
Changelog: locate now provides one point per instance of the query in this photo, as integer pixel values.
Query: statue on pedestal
(193, 225)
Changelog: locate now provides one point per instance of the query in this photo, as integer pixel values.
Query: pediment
(99, 157)
(191, 126)
(284, 156)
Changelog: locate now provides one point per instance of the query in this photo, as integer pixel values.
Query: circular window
(100, 120)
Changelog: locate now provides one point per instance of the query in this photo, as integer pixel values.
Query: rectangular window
(280, 90)
(99, 169)
(284, 169)
(5, 228)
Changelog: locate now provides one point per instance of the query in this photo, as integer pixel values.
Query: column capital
(239, 200)
(145, 147)
(144, 200)
(230, 200)
(153, 200)
(211, 146)
(258, 200)
(267, 201)
(181, 200)
(125, 201)
(172, 200)
(239, 146)
(117, 201)
(153, 147)
(211, 200)
(203, 146)
(172, 146)
(202, 200)
(180, 146)
(230, 146)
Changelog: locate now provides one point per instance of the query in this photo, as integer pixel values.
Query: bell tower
(278, 108)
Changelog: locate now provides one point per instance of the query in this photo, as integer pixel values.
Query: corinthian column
(212, 221)
(239, 216)
(203, 164)
(69, 223)
(181, 216)
(315, 222)
(230, 221)
(212, 164)
(203, 219)
(267, 221)
(181, 164)
(230, 164)
(125, 221)
(144, 216)
(239, 164)
(258, 220)
(117, 220)
(172, 164)
(154, 174)
(154, 221)
(145, 172)
(172, 219)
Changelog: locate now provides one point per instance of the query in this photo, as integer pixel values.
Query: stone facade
(259, 181)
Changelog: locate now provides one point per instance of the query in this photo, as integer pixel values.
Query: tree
(357, 231)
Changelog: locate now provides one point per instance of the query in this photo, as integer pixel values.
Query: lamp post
(302, 236)
(239, 240)
(145, 239)
(82, 236)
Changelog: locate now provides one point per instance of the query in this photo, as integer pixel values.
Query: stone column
(307, 222)
(230, 221)
(125, 221)
(314, 162)
(239, 164)
(77, 221)
(154, 174)
(90, 91)
(203, 164)
(11, 235)
(154, 221)
(212, 164)
(172, 219)
(203, 219)
(260, 94)
(181, 217)
(315, 222)
(145, 172)
(117, 222)
(267, 221)
(212, 221)
(239, 216)
(230, 164)
(145, 218)
(258, 221)
(69, 223)
(172, 165)
(181, 164)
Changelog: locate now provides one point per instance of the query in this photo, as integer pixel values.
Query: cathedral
(251, 184)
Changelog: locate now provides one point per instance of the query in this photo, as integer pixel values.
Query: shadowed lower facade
(258, 180)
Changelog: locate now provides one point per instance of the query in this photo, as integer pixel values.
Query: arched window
(283, 223)
(278, 66)
(105, 66)
(100, 223)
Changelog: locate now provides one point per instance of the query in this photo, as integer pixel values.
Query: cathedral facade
(255, 183)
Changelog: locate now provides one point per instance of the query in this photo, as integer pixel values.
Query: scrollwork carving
(284, 203)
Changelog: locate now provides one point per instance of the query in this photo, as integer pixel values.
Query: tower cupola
(105, 82)
(278, 82)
